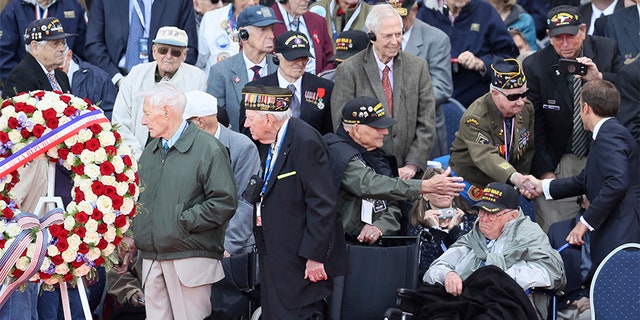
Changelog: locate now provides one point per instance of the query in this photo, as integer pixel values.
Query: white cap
(199, 104)
(172, 36)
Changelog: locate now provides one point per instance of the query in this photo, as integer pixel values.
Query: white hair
(165, 93)
(27, 46)
(378, 13)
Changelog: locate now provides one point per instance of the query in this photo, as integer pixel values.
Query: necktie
(295, 103)
(165, 147)
(386, 85)
(294, 24)
(256, 72)
(136, 32)
(54, 83)
(579, 135)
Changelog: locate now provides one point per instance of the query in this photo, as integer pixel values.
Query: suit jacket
(94, 84)
(226, 80)
(108, 30)
(300, 218)
(586, 11)
(16, 17)
(410, 139)
(623, 26)
(433, 45)
(245, 162)
(317, 26)
(552, 98)
(628, 82)
(314, 112)
(28, 76)
(610, 181)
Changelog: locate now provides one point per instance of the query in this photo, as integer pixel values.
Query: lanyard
(231, 26)
(43, 15)
(504, 136)
(346, 27)
(268, 168)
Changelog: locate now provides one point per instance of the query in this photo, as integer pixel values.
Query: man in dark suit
(623, 26)
(628, 82)
(298, 229)
(46, 43)
(595, 9)
(560, 142)
(110, 25)
(296, 17)
(312, 94)
(399, 80)
(610, 178)
(229, 76)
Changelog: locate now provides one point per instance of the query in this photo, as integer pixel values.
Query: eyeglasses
(174, 52)
(514, 96)
(492, 216)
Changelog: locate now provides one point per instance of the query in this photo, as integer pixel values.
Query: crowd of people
(297, 129)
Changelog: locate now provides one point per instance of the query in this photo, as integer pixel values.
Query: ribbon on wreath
(50, 140)
(31, 226)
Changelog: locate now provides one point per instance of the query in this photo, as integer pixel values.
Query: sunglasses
(514, 96)
(174, 52)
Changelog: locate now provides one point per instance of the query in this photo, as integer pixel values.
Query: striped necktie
(54, 83)
(579, 135)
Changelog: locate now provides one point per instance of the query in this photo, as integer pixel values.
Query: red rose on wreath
(106, 169)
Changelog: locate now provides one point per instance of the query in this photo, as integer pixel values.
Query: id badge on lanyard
(143, 42)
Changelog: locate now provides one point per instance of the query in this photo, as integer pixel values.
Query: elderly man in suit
(295, 16)
(229, 76)
(170, 52)
(623, 26)
(433, 45)
(119, 32)
(298, 230)
(311, 94)
(398, 79)
(610, 178)
(560, 142)
(46, 43)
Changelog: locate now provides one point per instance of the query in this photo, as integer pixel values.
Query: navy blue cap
(258, 16)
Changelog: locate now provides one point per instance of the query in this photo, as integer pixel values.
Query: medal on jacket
(321, 93)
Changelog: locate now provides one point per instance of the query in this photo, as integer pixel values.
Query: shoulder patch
(482, 139)
(472, 121)
(505, 165)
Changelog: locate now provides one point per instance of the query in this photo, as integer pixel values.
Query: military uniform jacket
(476, 151)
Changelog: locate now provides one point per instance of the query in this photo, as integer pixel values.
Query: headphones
(282, 1)
(243, 34)
(371, 35)
(275, 59)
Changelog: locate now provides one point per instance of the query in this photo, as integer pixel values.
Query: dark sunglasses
(174, 52)
(514, 96)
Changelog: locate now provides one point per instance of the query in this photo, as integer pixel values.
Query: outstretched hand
(443, 184)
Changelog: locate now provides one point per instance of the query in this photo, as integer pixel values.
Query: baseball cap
(498, 196)
(507, 74)
(402, 6)
(563, 19)
(349, 43)
(199, 104)
(293, 45)
(45, 29)
(259, 16)
(172, 36)
(366, 110)
(265, 98)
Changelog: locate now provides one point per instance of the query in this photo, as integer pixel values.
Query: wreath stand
(52, 202)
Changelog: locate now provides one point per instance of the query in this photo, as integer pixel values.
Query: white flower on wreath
(84, 135)
(38, 118)
(31, 249)
(74, 242)
(118, 164)
(92, 237)
(53, 251)
(109, 249)
(63, 268)
(82, 270)
(100, 155)
(91, 226)
(18, 146)
(71, 140)
(69, 222)
(92, 171)
(4, 123)
(23, 263)
(87, 156)
(13, 229)
(63, 121)
(85, 206)
(69, 255)
(46, 262)
(122, 188)
(109, 180)
(106, 138)
(9, 112)
(93, 254)
(104, 204)
(110, 235)
(109, 217)
(14, 136)
(127, 205)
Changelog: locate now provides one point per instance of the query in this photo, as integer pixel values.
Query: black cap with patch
(366, 110)
(563, 19)
(293, 45)
(498, 196)
(45, 29)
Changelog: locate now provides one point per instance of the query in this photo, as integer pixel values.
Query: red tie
(386, 85)
(256, 72)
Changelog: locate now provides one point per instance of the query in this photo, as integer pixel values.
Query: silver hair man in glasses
(169, 53)
(505, 238)
(495, 139)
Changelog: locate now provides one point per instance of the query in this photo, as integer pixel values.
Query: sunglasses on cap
(514, 96)
(174, 51)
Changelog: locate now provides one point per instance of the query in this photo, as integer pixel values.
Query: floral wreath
(75, 134)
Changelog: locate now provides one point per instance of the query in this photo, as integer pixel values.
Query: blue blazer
(610, 181)
(108, 30)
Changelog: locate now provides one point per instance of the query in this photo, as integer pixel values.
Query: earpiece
(371, 35)
(275, 60)
(282, 1)
(243, 34)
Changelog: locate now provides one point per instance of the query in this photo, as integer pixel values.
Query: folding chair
(453, 111)
(615, 288)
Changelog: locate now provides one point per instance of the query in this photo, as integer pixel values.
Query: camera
(568, 66)
(253, 190)
(447, 213)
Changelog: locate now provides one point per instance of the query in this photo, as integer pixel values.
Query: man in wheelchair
(488, 269)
